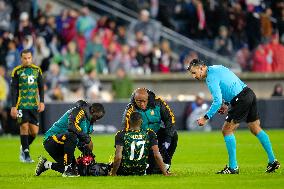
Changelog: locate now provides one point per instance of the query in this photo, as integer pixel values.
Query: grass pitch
(197, 158)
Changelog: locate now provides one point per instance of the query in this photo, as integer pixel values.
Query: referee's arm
(215, 90)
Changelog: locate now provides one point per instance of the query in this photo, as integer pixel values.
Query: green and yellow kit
(27, 87)
(26, 91)
(136, 146)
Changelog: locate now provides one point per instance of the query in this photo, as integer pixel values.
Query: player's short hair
(135, 117)
(195, 62)
(26, 51)
(97, 108)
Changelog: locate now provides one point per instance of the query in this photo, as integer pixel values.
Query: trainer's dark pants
(61, 148)
(167, 154)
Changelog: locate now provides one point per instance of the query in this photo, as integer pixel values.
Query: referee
(228, 90)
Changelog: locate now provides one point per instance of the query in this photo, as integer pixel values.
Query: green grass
(197, 158)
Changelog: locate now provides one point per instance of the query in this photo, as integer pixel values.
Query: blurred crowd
(250, 31)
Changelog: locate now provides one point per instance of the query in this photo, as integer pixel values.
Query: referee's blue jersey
(223, 84)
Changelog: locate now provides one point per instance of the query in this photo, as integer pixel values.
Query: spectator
(238, 22)
(71, 59)
(253, 26)
(243, 57)
(121, 60)
(68, 32)
(262, 59)
(13, 56)
(95, 55)
(223, 44)
(41, 53)
(278, 90)
(85, 23)
(266, 25)
(5, 16)
(25, 27)
(168, 60)
(92, 86)
(55, 83)
(144, 24)
(122, 86)
(277, 54)
(194, 110)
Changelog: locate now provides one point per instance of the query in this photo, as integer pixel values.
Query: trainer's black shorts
(54, 145)
(243, 107)
(28, 115)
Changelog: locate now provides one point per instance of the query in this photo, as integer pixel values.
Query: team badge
(152, 112)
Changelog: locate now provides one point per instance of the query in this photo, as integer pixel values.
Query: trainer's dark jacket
(76, 120)
(157, 115)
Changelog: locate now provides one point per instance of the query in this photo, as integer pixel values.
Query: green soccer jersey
(75, 120)
(136, 147)
(27, 86)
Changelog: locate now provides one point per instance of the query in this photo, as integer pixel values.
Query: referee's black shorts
(243, 107)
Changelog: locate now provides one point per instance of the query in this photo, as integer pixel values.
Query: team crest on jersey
(152, 112)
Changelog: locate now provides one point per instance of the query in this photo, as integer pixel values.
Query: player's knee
(33, 132)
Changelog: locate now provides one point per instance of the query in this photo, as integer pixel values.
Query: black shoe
(40, 166)
(228, 170)
(271, 167)
(70, 172)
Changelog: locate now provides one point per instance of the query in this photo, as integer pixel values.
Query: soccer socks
(230, 141)
(31, 139)
(57, 167)
(264, 140)
(25, 142)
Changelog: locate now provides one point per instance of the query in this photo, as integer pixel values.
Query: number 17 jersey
(136, 146)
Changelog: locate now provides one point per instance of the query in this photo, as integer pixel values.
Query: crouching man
(70, 131)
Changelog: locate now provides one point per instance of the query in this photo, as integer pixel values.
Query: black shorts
(243, 107)
(28, 115)
(55, 147)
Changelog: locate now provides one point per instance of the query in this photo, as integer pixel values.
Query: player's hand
(14, 112)
(201, 121)
(41, 107)
(223, 109)
(90, 146)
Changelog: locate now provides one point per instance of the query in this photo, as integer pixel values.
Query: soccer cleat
(70, 172)
(168, 166)
(27, 158)
(40, 166)
(271, 167)
(228, 170)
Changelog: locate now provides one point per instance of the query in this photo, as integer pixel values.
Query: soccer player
(157, 116)
(132, 149)
(227, 89)
(71, 130)
(26, 86)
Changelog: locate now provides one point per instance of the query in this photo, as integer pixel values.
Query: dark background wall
(271, 114)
